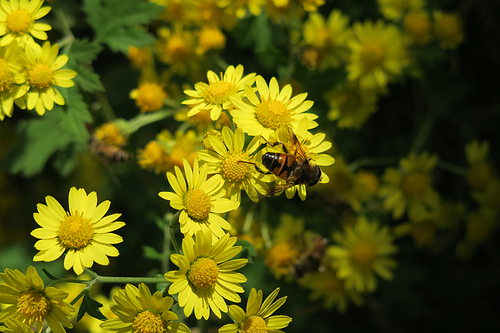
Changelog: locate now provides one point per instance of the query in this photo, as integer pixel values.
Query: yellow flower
(216, 95)
(111, 134)
(417, 27)
(351, 105)
(11, 65)
(149, 97)
(410, 187)
(225, 158)
(84, 233)
(206, 275)
(326, 285)
(448, 29)
(140, 58)
(240, 7)
(271, 109)
(395, 9)
(488, 198)
(312, 145)
(479, 226)
(14, 326)
(153, 157)
(200, 201)
(43, 73)
(140, 312)
(31, 303)
(202, 121)
(378, 54)
(17, 21)
(328, 38)
(176, 48)
(311, 5)
(361, 251)
(210, 38)
(258, 315)
(480, 171)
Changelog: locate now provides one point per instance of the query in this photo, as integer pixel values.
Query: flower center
(417, 24)
(197, 204)
(273, 114)
(206, 139)
(150, 97)
(363, 254)
(203, 273)
(148, 322)
(177, 48)
(33, 306)
(110, 134)
(6, 76)
(75, 232)
(233, 170)
(416, 184)
(255, 324)
(281, 255)
(19, 22)
(218, 92)
(211, 38)
(40, 76)
(479, 174)
(372, 55)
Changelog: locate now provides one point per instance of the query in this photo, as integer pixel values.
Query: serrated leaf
(90, 306)
(248, 248)
(87, 79)
(83, 51)
(50, 276)
(150, 253)
(120, 39)
(40, 138)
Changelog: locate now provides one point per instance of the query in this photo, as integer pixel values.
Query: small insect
(108, 152)
(294, 168)
(310, 259)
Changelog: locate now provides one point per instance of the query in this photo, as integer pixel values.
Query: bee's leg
(256, 167)
(275, 144)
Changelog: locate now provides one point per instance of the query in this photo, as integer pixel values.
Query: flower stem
(371, 162)
(453, 168)
(174, 219)
(233, 127)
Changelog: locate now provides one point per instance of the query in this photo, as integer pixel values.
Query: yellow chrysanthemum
(43, 73)
(111, 134)
(312, 145)
(17, 21)
(448, 29)
(83, 232)
(328, 38)
(11, 65)
(480, 171)
(210, 38)
(149, 97)
(410, 187)
(226, 158)
(176, 48)
(488, 198)
(378, 54)
(217, 94)
(200, 201)
(211, 13)
(395, 9)
(240, 7)
(311, 5)
(351, 105)
(206, 274)
(479, 226)
(140, 58)
(417, 27)
(14, 326)
(140, 312)
(153, 157)
(326, 285)
(361, 251)
(271, 109)
(258, 315)
(31, 303)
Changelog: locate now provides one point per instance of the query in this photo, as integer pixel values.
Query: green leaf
(150, 253)
(248, 250)
(83, 51)
(117, 23)
(40, 138)
(87, 79)
(90, 306)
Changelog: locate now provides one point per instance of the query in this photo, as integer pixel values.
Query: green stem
(423, 132)
(264, 227)
(453, 168)
(145, 119)
(165, 263)
(247, 224)
(105, 106)
(65, 27)
(174, 219)
(233, 127)
(371, 162)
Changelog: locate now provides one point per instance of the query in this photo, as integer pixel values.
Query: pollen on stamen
(32, 306)
(197, 204)
(148, 322)
(255, 324)
(75, 231)
(273, 114)
(203, 273)
(233, 170)
(6, 76)
(363, 253)
(40, 76)
(19, 22)
(218, 92)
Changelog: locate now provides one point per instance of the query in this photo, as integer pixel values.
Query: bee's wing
(295, 144)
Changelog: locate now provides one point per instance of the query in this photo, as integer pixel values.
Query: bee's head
(317, 176)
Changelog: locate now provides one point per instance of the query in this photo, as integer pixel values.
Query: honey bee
(108, 152)
(310, 260)
(294, 168)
